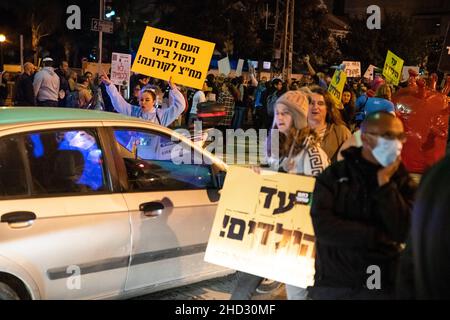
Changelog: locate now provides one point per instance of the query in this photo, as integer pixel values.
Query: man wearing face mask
(361, 215)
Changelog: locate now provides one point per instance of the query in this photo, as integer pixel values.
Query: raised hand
(385, 174)
(172, 85)
(104, 78)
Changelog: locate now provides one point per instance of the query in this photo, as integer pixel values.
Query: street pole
(285, 38)
(1, 54)
(291, 40)
(100, 37)
(21, 52)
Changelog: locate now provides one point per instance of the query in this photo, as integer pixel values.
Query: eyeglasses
(319, 103)
(390, 136)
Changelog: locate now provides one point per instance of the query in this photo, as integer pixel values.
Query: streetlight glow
(2, 38)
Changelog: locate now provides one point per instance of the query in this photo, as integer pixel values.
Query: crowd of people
(365, 205)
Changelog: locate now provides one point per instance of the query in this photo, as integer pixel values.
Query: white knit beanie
(298, 105)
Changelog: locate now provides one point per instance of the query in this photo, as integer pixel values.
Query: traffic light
(109, 10)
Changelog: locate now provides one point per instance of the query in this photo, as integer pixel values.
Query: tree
(371, 46)
(312, 37)
(39, 16)
(236, 27)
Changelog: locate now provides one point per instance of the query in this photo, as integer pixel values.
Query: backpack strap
(157, 117)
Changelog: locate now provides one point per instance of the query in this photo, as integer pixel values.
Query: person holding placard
(148, 103)
(299, 153)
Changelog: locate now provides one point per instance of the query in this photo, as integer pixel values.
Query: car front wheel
(7, 293)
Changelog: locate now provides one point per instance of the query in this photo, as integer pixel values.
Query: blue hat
(379, 104)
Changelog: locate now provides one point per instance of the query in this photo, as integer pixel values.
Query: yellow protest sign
(393, 66)
(337, 84)
(164, 54)
(263, 226)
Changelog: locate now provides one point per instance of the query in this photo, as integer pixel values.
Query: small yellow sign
(393, 66)
(337, 84)
(263, 226)
(164, 54)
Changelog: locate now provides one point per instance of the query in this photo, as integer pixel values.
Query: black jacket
(359, 224)
(23, 91)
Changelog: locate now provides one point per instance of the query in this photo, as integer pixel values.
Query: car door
(172, 207)
(60, 218)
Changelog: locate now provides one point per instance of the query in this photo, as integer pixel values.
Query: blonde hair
(383, 92)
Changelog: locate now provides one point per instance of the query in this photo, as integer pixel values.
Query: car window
(13, 180)
(150, 164)
(65, 161)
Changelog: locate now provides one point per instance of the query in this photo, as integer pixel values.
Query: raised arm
(177, 105)
(311, 70)
(118, 102)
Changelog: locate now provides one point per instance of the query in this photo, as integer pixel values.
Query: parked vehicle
(96, 205)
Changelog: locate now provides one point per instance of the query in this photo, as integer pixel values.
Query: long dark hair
(295, 140)
(430, 233)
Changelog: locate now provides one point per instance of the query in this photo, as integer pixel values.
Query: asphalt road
(215, 289)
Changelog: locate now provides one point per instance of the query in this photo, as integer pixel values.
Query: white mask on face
(387, 151)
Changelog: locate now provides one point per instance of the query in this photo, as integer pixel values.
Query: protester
(227, 96)
(325, 119)
(73, 80)
(148, 102)
(199, 97)
(24, 93)
(373, 105)
(90, 78)
(260, 111)
(299, 153)
(240, 104)
(134, 99)
(46, 85)
(366, 97)
(317, 77)
(423, 272)
(385, 92)
(139, 80)
(211, 80)
(85, 94)
(275, 92)
(361, 215)
(348, 110)
(63, 73)
(4, 76)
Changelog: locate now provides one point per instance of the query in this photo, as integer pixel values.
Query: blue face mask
(387, 151)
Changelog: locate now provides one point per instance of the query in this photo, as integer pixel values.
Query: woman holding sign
(298, 153)
(148, 103)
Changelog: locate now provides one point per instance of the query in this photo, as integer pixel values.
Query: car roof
(17, 115)
(10, 116)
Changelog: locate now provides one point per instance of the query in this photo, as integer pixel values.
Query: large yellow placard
(263, 226)
(337, 85)
(393, 67)
(164, 54)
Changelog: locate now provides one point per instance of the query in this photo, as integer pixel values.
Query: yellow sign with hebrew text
(393, 67)
(263, 226)
(164, 54)
(337, 85)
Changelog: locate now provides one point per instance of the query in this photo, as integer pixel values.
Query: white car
(92, 206)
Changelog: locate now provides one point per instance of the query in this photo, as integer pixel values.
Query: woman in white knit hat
(297, 151)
